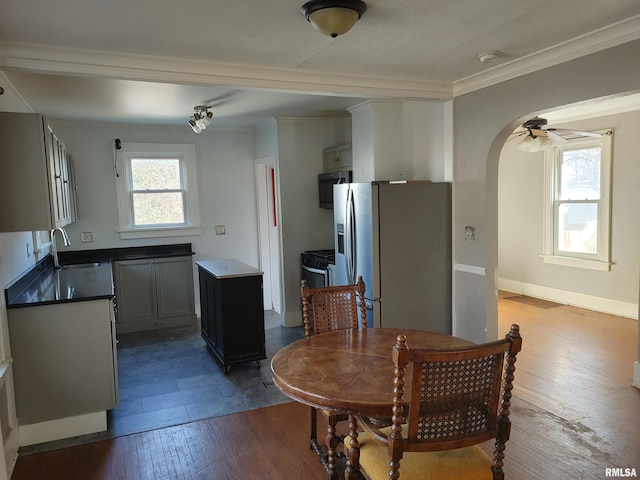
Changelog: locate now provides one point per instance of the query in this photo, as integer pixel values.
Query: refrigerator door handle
(350, 254)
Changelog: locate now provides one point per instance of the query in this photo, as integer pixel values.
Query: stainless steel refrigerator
(398, 237)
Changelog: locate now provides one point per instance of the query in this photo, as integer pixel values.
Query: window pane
(158, 208)
(578, 227)
(580, 174)
(155, 173)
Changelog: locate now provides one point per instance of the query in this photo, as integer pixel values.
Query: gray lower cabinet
(154, 293)
(64, 360)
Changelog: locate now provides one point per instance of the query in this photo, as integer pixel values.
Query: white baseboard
(581, 300)
(62, 428)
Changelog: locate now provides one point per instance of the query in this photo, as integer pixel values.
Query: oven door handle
(314, 270)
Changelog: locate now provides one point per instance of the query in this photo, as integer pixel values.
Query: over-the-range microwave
(326, 181)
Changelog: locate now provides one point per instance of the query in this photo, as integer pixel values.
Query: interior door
(266, 188)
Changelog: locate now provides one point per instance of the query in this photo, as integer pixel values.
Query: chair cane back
(326, 309)
(459, 398)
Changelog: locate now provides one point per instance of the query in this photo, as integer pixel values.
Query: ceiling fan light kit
(333, 17)
(534, 144)
(201, 119)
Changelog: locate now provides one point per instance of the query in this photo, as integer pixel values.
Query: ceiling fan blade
(517, 135)
(536, 132)
(556, 139)
(577, 132)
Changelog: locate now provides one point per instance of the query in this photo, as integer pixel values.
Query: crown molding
(52, 60)
(596, 41)
(15, 98)
(143, 126)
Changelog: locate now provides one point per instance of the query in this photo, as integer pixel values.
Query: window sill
(159, 232)
(577, 262)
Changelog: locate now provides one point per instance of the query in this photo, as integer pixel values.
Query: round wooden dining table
(349, 371)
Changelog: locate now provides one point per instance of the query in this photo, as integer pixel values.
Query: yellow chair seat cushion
(328, 413)
(469, 463)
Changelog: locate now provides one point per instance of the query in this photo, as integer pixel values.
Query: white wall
(482, 122)
(424, 141)
(520, 197)
(226, 188)
(266, 140)
(400, 141)
(305, 226)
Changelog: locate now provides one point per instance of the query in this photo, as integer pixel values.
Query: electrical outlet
(86, 237)
(221, 229)
(470, 233)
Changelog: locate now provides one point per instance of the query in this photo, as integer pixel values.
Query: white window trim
(126, 229)
(602, 262)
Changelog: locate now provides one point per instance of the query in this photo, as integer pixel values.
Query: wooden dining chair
(327, 309)
(458, 399)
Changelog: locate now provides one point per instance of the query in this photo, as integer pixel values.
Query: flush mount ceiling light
(333, 17)
(200, 120)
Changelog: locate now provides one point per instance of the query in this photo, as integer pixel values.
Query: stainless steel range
(318, 267)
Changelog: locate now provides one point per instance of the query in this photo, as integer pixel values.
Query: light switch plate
(221, 229)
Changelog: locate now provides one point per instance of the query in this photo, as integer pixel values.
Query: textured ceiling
(153, 60)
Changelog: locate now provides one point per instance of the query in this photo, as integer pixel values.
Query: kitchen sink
(74, 266)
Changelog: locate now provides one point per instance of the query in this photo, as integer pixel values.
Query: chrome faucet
(54, 248)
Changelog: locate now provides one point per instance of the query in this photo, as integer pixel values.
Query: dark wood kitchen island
(232, 311)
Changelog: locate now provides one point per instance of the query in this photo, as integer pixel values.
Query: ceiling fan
(537, 136)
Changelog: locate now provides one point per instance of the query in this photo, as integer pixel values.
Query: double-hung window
(156, 187)
(577, 203)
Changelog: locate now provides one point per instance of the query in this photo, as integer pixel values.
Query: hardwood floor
(574, 411)
(574, 414)
(258, 444)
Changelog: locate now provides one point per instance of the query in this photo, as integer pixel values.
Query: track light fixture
(200, 120)
(333, 17)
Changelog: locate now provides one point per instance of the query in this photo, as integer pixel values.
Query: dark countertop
(44, 284)
(126, 253)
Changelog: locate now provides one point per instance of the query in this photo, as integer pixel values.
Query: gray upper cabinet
(36, 188)
(338, 158)
(154, 293)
